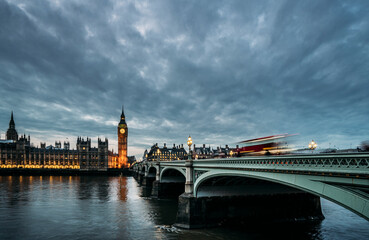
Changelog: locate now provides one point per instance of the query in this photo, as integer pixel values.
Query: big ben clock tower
(122, 141)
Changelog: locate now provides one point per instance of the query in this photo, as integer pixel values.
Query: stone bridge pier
(140, 176)
(169, 183)
(147, 179)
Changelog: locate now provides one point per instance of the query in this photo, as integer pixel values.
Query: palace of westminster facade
(17, 152)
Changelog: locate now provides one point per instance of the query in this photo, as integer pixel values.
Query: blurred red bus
(275, 144)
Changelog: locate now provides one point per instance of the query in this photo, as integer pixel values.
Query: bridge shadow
(236, 200)
(172, 184)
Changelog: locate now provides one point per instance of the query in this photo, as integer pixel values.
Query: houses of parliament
(18, 152)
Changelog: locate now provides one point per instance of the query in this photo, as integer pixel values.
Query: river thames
(85, 207)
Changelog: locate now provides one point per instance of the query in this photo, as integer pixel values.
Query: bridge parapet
(352, 164)
(342, 165)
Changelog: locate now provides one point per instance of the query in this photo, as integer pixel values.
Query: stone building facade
(179, 153)
(19, 153)
(164, 153)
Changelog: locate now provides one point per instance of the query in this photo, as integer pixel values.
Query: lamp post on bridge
(157, 155)
(189, 143)
(312, 145)
(189, 169)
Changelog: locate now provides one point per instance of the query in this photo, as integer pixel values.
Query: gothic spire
(122, 115)
(11, 123)
(12, 134)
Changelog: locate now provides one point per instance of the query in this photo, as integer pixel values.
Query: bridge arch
(316, 185)
(152, 171)
(172, 182)
(240, 185)
(178, 174)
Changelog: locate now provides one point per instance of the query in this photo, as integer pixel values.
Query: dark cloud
(222, 72)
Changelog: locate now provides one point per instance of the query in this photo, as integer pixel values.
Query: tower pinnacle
(11, 123)
(12, 134)
(122, 117)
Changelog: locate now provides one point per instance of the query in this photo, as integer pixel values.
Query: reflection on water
(85, 207)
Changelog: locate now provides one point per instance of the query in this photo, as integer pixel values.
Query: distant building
(164, 153)
(12, 134)
(92, 158)
(19, 153)
(220, 152)
(207, 152)
(113, 160)
(202, 152)
(131, 160)
(179, 153)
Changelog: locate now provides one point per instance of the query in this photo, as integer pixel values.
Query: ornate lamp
(157, 154)
(312, 145)
(189, 143)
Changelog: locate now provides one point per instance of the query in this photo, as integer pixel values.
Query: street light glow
(312, 145)
(189, 141)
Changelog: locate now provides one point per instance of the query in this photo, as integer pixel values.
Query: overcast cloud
(221, 71)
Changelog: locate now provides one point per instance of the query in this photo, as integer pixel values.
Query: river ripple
(85, 207)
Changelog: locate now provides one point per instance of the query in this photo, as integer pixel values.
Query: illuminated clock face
(122, 131)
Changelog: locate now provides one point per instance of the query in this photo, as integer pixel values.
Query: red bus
(275, 144)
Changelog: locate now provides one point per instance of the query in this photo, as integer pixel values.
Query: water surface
(85, 207)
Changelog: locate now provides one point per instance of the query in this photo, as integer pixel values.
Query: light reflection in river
(83, 207)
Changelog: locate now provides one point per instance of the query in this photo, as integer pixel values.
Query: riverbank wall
(62, 172)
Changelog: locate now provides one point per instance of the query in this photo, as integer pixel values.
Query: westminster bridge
(275, 187)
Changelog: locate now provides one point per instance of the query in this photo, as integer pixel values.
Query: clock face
(122, 130)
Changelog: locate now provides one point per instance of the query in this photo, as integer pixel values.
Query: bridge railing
(352, 164)
(345, 163)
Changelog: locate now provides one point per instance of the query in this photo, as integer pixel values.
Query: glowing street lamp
(189, 143)
(157, 154)
(312, 145)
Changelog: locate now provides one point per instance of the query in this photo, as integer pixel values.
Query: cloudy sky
(221, 71)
